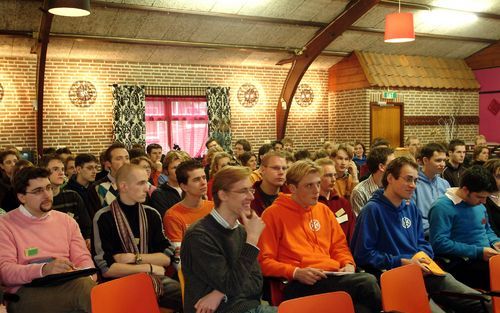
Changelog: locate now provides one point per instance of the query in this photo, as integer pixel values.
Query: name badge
(340, 212)
(342, 219)
(30, 251)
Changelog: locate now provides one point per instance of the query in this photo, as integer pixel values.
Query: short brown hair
(264, 160)
(124, 172)
(226, 178)
(172, 156)
(394, 168)
(215, 161)
(346, 147)
(324, 161)
(300, 169)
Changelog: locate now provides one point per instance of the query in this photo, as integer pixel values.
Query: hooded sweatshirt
(385, 234)
(428, 191)
(298, 237)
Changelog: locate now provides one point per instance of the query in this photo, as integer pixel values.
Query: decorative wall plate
(248, 95)
(82, 93)
(304, 95)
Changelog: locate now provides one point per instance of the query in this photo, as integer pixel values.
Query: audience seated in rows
(390, 232)
(459, 228)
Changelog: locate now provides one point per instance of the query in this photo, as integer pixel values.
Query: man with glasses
(86, 166)
(459, 228)
(65, 200)
(304, 244)
(273, 169)
(219, 254)
(36, 241)
(389, 232)
(340, 206)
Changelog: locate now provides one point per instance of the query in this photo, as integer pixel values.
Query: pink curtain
(177, 120)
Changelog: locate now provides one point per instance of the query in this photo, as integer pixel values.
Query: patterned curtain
(129, 105)
(219, 115)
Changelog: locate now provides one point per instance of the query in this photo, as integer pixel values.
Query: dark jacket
(164, 197)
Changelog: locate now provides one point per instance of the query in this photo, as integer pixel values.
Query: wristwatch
(138, 258)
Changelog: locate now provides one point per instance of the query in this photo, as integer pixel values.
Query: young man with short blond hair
(304, 244)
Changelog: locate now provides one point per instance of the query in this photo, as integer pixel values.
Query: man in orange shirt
(191, 178)
(303, 243)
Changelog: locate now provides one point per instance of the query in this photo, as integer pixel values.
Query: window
(181, 121)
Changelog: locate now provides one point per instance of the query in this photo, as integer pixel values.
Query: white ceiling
(211, 32)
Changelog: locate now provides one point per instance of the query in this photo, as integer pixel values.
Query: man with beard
(36, 241)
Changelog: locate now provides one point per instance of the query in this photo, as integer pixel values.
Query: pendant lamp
(69, 7)
(399, 27)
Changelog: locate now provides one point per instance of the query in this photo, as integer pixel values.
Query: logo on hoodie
(406, 222)
(315, 225)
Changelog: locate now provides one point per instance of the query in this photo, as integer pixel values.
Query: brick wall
(350, 113)
(90, 129)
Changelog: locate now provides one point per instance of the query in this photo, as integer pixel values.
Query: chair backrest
(338, 301)
(133, 294)
(403, 290)
(495, 280)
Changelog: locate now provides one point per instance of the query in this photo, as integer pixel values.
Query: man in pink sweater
(36, 241)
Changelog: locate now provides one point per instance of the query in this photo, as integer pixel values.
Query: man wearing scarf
(129, 238)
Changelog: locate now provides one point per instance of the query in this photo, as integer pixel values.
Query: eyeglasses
(40, 190)
(331, 175)
(278, 168)
(244, 191)
(410, 179)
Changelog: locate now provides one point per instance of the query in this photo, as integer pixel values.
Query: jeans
(263, 309)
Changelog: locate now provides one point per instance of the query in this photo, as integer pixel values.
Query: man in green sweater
(219, 255)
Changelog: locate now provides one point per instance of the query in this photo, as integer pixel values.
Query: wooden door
(387, 122)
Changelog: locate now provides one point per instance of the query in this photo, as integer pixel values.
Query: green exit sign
(390, 95)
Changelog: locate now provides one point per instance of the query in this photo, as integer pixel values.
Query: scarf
(127, 238)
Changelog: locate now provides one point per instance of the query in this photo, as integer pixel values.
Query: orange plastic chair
(403, 290)
(131, 294)
(338, 301)
(182, 282)
(495, 281)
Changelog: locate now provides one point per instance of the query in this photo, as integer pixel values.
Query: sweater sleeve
(364, 244)
(229, 279)
(173, 226)
(83, 216)
(441, 221)
(269, 247)
(78, 252)
(357, 200)
(13, 274)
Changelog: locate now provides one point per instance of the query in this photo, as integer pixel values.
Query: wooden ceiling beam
(40, 48)
(303, 58)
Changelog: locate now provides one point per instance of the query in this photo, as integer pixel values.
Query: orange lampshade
(399, 27)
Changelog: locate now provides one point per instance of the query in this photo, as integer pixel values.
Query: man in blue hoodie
(460, 228)
(430, 185)
(389, 232)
